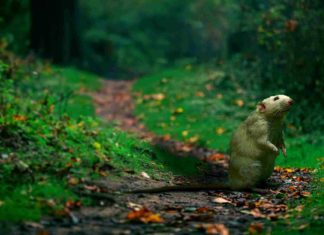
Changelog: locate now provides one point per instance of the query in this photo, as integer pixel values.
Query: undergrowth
(202, 106)
(51, 141)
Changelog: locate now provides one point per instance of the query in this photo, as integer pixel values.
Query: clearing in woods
(177, 212)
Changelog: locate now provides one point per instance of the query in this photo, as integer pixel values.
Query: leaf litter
(211, 212)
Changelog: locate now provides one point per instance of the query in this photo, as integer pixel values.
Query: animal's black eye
(276, 98)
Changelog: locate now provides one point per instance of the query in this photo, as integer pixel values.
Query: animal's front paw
(274, 149)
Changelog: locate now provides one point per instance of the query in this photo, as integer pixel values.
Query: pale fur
(254, 147)
(256, 143)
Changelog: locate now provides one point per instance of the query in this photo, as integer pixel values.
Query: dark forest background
(277, 45)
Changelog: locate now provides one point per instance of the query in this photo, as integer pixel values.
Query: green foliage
(283, 49)
(201, 112)
(44, 150)
(205, 105)
(140, 35)
(14, 24)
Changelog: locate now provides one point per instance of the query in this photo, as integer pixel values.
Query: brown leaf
(19, 118)
(255, 228)
(305, 194)
(73, 181)
(93, 188)
(144, 215)
(291, 25)
(200, 94)
(239, 102)
(215, 157)
(203, 209)
(42, 232)
(255, 213)
(215, 229)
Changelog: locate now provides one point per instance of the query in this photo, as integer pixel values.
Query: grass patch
(204, 106)
(51, 141)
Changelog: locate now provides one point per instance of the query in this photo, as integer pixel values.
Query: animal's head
(275, 106)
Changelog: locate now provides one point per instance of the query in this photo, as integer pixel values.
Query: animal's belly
(268, 163)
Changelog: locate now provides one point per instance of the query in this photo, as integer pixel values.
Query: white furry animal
(254, 147)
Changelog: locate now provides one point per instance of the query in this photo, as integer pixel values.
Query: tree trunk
(54, 29)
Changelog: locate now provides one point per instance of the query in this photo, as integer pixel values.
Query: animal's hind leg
(250, 174)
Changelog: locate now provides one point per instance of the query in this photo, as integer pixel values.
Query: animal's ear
(261, 107)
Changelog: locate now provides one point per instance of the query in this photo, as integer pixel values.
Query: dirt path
(114, 103)
(177, 212)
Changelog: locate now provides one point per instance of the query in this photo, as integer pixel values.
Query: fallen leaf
(184, 133)
(257, 213)
(255, 228)
(93, 188)
(209, 87)
(134, 206)
(203, 209)
(72, 204)
(200, 94)
(215, 229)
(303, 226)
(219, 96)
(166, 137)
(305, 193)
(193, 139)
(145, 175)
(19, 118)
(215, 157)
(96, 145)
(42, 232)
(221, 200)
(239, 102)
(73, 181)
(144, 215)
(220, 130)
(173, 118)
(179, 110)
(291, 25)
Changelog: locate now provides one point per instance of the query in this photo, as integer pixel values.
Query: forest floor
(206, 212)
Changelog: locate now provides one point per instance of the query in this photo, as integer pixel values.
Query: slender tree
(54, 32)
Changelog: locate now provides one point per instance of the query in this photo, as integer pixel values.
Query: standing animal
(254, 147)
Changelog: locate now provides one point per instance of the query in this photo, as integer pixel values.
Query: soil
(203, 212)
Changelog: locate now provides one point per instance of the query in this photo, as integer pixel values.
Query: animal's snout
(290, 102)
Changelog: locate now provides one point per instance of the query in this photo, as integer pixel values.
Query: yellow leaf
(158, 96)
(219, 96)
(185, 133)
(173, 118)
(96, 145)
(73, 181)
(200, 94)
(193, 139)
(179, 110)
(220, 130)
(239, 102)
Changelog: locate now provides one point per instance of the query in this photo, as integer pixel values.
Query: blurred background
(271, 46)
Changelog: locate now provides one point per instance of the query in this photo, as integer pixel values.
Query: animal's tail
(179, 188)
